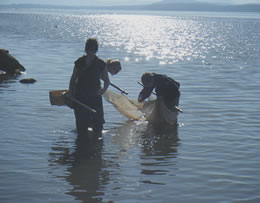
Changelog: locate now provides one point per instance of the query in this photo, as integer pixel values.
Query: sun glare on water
(167, 39)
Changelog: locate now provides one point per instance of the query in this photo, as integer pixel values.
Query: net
(153, 111)
(126, 106)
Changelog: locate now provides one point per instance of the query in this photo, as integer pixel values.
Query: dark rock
(28, 80)
(9, 64)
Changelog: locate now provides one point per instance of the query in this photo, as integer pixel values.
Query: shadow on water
(87, 171)
(84, 168)
(158, 149)
(160, 140)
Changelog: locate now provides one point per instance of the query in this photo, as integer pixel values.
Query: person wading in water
(85, 86)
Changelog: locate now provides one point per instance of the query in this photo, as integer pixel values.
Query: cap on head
(91, 44)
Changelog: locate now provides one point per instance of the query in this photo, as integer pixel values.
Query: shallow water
(211, 156)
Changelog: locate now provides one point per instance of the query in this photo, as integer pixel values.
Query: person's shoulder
(100, 61)
(159, 76)
(166, 79)
(163, 77)
(100, 64)
(80, 60)
(174, 82)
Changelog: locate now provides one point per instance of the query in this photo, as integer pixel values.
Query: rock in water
(28, 80)
(9, 64)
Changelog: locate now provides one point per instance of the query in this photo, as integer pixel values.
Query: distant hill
(203, 7)
(161, 6)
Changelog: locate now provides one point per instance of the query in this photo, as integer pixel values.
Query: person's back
(164, 86)
(88, 82)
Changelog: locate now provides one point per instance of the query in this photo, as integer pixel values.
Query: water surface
(212, 155)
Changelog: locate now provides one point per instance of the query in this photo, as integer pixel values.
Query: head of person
(113, 66)
(91, 46)
(148, 79)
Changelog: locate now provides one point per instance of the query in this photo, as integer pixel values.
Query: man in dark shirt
(164, 86)
(85, 86)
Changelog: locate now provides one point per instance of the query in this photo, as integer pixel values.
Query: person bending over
(164, 86)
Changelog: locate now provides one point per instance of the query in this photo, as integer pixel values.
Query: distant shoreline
(153, 7)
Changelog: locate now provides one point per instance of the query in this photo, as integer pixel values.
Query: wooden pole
(118, 88)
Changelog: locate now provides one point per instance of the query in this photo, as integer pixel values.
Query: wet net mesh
(153, 111)
(129, 108)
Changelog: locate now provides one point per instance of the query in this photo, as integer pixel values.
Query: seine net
(153, 111)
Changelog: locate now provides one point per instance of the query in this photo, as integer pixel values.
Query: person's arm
(106, 80)
(145, 93)
(73, 80)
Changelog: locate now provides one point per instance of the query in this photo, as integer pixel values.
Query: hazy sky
(116, 2)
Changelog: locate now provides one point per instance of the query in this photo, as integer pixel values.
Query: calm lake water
(211, 156)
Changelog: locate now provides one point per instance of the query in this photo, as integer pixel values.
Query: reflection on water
(84, 166)
(86, 174)
(94, 171)
(160, 142)
(218, 155)
(6, 80)
(168, 39)
(132, 133)
(159, 146)
(128, 134)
